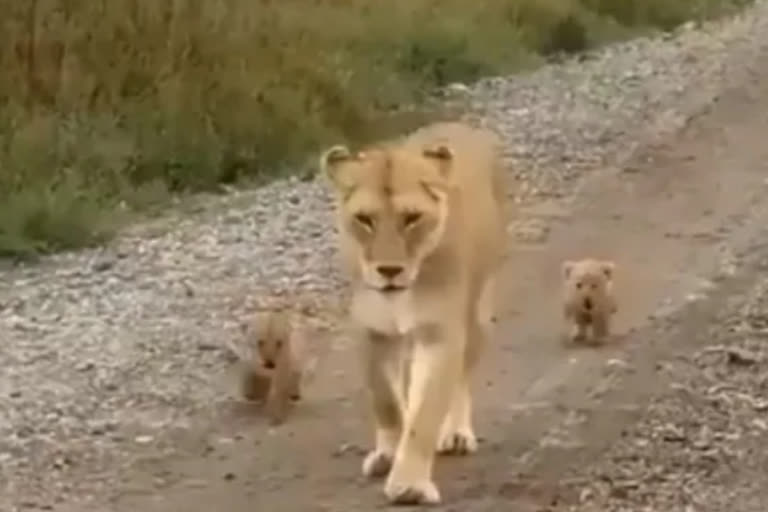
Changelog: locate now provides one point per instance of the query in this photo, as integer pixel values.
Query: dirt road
(686, 223)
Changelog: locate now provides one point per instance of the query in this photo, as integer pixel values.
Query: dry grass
(112, 105)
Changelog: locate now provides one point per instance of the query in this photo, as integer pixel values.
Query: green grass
(111, 106)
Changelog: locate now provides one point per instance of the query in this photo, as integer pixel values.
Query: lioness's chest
(390, 314)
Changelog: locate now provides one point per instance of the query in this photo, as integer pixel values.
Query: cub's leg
(457, 435)
(384, 379)
(284, 386)
(436, 362)
(600, 328)
(295, 386)
(578, 331)
(277, 404)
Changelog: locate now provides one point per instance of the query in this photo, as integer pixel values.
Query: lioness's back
(478, 175)
(475, 152)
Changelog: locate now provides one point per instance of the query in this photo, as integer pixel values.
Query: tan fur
(276, 373)
(589, 301)
(422, 233)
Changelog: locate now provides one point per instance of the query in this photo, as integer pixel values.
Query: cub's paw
(412, 493)
(578, 336)
(457, 442)
(377, 464)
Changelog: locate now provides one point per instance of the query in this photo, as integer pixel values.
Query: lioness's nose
(389, 271)
(588, 303)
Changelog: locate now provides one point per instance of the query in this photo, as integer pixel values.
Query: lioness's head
(392, 207)
(587, 283)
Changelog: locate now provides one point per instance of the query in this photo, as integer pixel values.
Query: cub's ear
(567, 267)
(608, 268)
(331, 159)
(440, 153)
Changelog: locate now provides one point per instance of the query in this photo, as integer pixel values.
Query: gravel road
(115, 358)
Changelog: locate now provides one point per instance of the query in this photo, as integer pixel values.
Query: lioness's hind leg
(383, 358)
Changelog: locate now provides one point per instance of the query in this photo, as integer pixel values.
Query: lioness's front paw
(412, 493)
(377, 464)
(457, 442)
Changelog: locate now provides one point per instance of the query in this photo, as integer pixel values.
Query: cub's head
(269, 331)
(587, 283)
(392, 208)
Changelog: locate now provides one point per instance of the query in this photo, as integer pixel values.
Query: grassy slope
(109, 106)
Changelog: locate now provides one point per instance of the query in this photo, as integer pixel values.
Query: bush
(113, 106)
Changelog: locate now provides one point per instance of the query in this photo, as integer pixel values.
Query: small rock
(103, 265)
(457, 88)
(741, 357)
(673, 434)
(144, 439)
(348, 448)
(85, 366)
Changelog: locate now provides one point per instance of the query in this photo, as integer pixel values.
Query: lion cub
(589, 301)
(275, 373)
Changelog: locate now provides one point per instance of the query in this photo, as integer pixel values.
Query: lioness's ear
(442, 153)
(608, 268)
(330, 160)
(567, 268)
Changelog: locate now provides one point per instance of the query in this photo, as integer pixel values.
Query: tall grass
(108, 106)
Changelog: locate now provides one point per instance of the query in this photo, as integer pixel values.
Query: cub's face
(587, 284)
(269, 331)
(392, 208)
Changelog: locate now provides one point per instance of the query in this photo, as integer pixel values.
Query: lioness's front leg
(383, 364)
(435, 368)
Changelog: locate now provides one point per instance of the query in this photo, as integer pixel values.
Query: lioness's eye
(411, 218)
(365, 220)
(578, 285)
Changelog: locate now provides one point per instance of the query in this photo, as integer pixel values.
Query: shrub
(113, 106)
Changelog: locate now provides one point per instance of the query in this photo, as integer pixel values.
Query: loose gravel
(699, 447)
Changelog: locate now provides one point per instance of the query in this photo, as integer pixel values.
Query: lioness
(588, 298)
(422, 230)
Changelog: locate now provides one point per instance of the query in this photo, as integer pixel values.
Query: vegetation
(110, 106)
